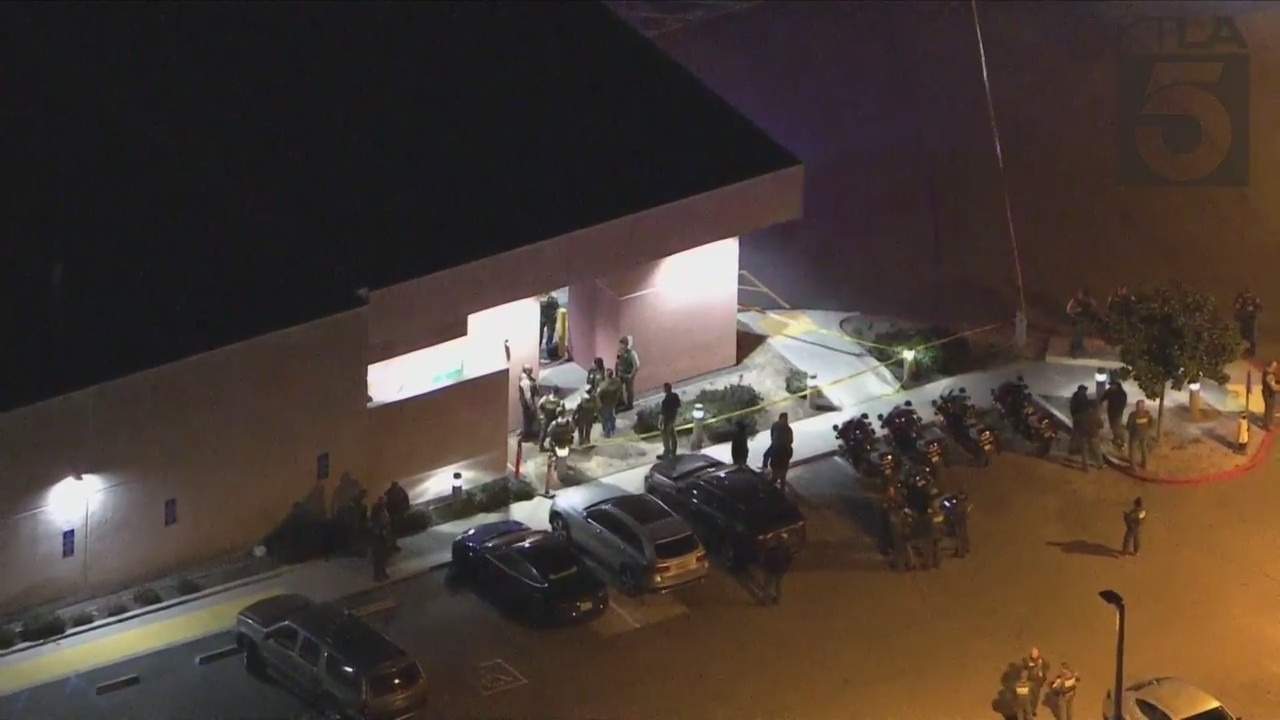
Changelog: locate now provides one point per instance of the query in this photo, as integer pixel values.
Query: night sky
(206, 173)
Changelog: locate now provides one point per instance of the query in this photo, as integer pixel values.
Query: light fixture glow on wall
(73, 497)
(699, 272)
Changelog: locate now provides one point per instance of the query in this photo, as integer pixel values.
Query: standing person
(609, 395)
(628, 364)
(1037, 670)
(1116, 400)
(547, 327)
(397, 500)
(1139, 426)
(738, 448)
(1079, 403)
(777, 562)
(937, 533)
(550, 407)
(360, 520)
(1082, 310)
(899, 541)
(1089, 425)
(1064, 691)
(595, 375)
(584, 415)
(1022, 697)
(960, 521)
(1270, 386)
(1133, 519)
(379, 553)
(777, 458)
(1247, 308)
(670, 410)
(528, 404)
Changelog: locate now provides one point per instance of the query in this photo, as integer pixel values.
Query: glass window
(342, 674)
(517, 566)
(676, 547)
(68, 543)
(630, 537)
(310, 652)
(1218, 713)
(1151, 712)
(285, 636)
(395, 681)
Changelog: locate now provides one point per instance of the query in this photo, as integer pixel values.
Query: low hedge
(797, 381)
(492, 497)
(82, 618)
(414, 522)
(42, 625)
(953, 357)
(718, 402)
(8, 638)
(145, 596)
(116, 609)
(187, 586)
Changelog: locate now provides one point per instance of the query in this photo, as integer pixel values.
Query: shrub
(414, 522)
(728, 400)
(117, 609)
(797, 381)
(42, 625)
(187, 586)
(953, 357)
(7, 637)
(521, 491)
(144, 596)
(82, 618)
(647, 419)
(298, 539)
(491, 497)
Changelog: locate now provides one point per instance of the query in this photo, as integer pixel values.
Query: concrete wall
(593, 322)
(506, 334)
(411, 315)
(415, 439)
(232, 435)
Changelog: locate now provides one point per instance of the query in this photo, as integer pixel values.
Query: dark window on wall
(68, 543)
(322, 466)
(170, 511)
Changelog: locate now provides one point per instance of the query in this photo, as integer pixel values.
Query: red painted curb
(1263, 451)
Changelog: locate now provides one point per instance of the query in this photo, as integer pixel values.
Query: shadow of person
(1003, 703)
(1084, 547)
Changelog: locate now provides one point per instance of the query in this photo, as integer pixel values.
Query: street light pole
(1115, 600)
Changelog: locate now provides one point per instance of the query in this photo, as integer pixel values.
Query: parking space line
(625, 615)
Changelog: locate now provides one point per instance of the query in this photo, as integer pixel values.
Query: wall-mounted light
(908, 354)
(72, 497)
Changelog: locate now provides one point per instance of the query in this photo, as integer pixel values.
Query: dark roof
(350, 637)
(682, 467)
(269, 611)
(644, 509)
(204, 173)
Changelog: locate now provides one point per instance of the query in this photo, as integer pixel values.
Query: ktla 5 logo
(1184, 103)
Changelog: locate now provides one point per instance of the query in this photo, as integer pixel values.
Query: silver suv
(1166, 698)
(331, 658)
(651, 548)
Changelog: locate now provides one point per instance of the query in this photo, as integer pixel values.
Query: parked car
(1166, 698)
(529, 572)
(330, 658)
(649, 546)
(735, 509)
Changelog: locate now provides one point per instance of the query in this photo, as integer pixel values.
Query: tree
(1170, 335)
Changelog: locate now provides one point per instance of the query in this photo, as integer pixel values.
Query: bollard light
(1194, 387)
(1194, 404)
(1100, 379)
(699, 412)
(699, 433)
(455, 493)
(908, 354)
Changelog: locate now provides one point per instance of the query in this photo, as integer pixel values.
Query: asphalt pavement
(850, 640)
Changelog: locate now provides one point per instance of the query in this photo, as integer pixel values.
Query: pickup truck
(330, 658)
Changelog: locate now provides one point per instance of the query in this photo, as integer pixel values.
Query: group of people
(1033, 678)
(374, 529)
(608, 391)
(1136, 433)
(914, 541)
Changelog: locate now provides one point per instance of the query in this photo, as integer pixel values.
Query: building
(379, 252)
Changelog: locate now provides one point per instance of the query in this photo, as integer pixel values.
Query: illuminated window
(170, 511)
(68, 543)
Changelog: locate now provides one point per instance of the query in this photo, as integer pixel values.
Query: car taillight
(700, 556)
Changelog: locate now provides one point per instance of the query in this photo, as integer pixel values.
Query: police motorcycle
(907, 433)
(864, 450)
(1019, 410)
(960, 417)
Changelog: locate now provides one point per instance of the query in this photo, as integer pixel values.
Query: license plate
(583, 606)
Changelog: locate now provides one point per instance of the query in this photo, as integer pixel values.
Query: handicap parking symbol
(496, 676)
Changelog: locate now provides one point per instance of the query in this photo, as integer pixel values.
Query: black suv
(735, 509)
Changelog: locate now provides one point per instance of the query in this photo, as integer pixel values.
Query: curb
(119, 683)
(149, 610)
(1262, 453)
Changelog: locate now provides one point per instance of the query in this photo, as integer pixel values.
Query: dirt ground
(764, 368)
(1189, 448)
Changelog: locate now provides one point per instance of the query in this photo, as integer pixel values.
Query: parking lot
(850, 639)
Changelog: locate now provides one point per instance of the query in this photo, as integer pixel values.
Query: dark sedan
(735, 509)
(531, 573)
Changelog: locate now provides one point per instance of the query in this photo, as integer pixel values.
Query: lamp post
(1194, 403)
(699, 432)
(1114, 599)
(455, 492)
(1100, 381)
(908, 357)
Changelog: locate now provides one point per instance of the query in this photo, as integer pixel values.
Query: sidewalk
(337, 578)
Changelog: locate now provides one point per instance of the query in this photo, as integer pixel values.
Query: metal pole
(86, 542)
(1115, 600)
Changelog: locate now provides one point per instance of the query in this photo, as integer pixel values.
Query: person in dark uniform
(528, 404)
(1064, 691)
(1022, 697)
(670, 413)
(739, 451)
(549, 406)
(1270, 386)
(626, 365)
(898, 539)
(1139, 426)
(777, 459)
(1082, 310)
(937, 533)
(547, 327)
(888, 504)
(359, 523)
(397, 501)
(595, 375)
(777, 563)
(584, 415)
(960, 523)
(1247, 307)
(1133, 519)
(380, 552)
(609, 394)
(1088, 431)
(1037, 673)
(1116, 400)
(1079, 402)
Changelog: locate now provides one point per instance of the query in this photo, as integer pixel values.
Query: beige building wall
(233, 436)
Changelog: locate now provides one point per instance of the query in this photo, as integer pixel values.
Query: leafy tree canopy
(1170, 335)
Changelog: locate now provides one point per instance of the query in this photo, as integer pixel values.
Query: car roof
(581, 497)
(644, 510)
(351, 638)
(269, 611)
(682, 467)
(1175, 696)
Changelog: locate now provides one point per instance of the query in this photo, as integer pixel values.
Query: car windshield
(1218, 713)
(394, 681)
(676, 547)
(554, 562)
(514, 538)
